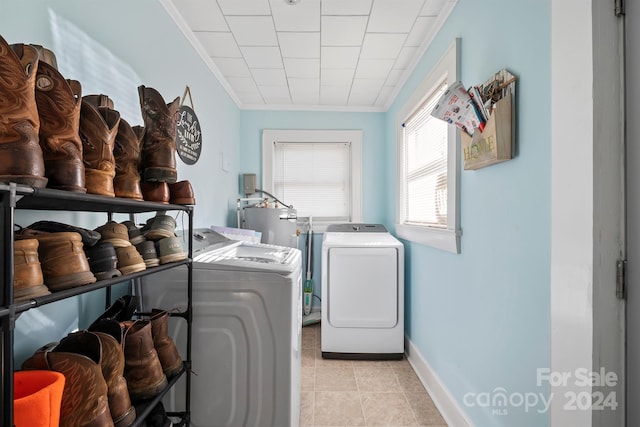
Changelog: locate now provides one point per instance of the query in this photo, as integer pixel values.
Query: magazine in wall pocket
(493, 144)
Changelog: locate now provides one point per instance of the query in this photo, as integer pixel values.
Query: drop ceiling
(311, 54)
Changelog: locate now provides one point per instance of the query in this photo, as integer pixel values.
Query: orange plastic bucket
(37, 396)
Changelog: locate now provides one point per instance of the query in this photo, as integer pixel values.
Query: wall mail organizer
(484, 114)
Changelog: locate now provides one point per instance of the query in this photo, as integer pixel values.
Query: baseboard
(452, 413)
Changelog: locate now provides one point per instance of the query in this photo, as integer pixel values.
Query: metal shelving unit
(14, 197)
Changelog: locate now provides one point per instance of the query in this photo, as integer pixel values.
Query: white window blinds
(425, 166)
(315, 178)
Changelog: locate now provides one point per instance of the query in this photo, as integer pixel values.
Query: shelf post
(6, 300)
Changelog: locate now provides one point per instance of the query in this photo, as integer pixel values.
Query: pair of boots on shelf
(52, 256)
(50, 135)
(113, 363)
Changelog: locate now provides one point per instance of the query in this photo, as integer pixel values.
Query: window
(318, 172)
(428, 164)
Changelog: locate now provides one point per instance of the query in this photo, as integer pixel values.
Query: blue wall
(481, 319)
(112, 48)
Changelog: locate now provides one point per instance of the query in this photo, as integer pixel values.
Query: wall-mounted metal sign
(188, 132)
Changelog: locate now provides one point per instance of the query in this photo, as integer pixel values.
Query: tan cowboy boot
(20, 154)
(64, 263)
(110, 334)
(98, 129)
(166, 348)
(142, 368)
(59, 110)
(84, 398)
(27, 274)
(158, 161)
(127, 155)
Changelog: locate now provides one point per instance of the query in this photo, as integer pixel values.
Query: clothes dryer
(247, 321)
(362, 293)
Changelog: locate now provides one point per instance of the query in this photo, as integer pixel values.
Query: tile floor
(361, 393)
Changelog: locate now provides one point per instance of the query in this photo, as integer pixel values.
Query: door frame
(587, 208)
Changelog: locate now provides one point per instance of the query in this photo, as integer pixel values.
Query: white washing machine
(247, 321)
(362, 293)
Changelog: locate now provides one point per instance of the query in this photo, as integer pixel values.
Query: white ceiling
(315, 54)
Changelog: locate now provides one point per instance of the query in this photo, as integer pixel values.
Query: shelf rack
(12, 197)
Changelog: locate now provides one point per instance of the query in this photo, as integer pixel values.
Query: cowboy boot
(142, 368)
(84, 397)
(27, 274)
(159, 144)
(110, 334)
(98, 129)
(20, 154)
(164, 345)
(127, 156)
(59, 110)
(64, 263)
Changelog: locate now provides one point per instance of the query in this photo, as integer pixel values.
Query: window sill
(444, 239)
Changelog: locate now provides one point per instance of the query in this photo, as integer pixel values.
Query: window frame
(447, 239)
(354, 137)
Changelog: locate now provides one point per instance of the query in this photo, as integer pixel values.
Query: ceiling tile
(334, 95)
(302, 68)
(233, 67)
(343, 30)
(407, 55)
(420, 30)
(299, 45)
(339, 57)
(262, 57)
(342, 7)
(373, 68)
(242, 84)
(364, 98)
(394, 77)
(219, 45)
(244, 7)
(253, 30)
(201, 15)
(279, 92)
(305, 91)
(269, 76)
(432, 7)
(384, 95)
(250, 98)
(278, 101)
(336, 77)
(382, 46)
(304, 16)
(387, 17)
(366, 85)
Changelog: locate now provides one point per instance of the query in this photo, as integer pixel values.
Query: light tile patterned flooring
(361, 393)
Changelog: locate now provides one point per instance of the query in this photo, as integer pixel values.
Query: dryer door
(363, 287)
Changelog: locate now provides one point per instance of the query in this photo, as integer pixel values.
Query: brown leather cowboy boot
(84, 398)
(166, 348)
(20, 154)
(59, 110)
(159, 144)
(142, 368)
(64, 263)
(98, 129)
(127, 155)
(27, 274)
(110, 334)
